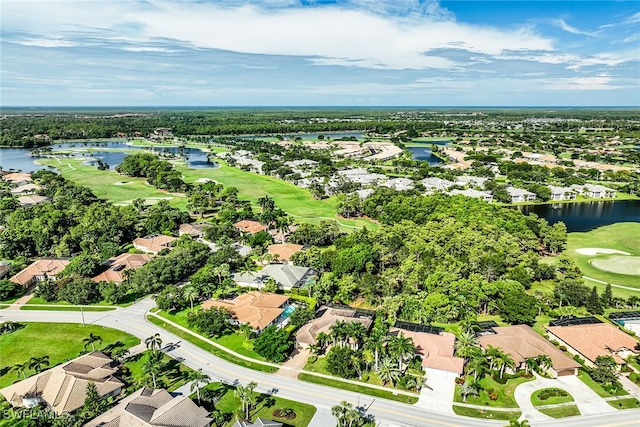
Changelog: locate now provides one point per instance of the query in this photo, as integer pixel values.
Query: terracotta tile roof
(284, 251)
(31, 200)
(147, 408)
(17, 177)
(251, 227)
(599, 339)
(256, 308)
(522, 342)
(63, 387)
(436, 350)
(153, 244)
(195, 230)
(120, 264)
(307, 333)
(46, 266)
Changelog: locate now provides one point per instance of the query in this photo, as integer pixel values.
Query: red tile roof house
(153, 244)
(521, 342)
(197, 231)
(251, 227)
(120, 264)
(258, 309)
(40, 270)
(64, 387)
(283, 251)
(591, 341)
(436, 350)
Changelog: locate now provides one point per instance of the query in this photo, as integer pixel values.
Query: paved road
(388, 413)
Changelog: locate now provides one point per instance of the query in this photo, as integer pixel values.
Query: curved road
(133, 320)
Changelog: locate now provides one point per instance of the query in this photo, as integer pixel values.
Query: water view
(586, 216)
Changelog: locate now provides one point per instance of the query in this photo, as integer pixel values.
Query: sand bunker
(596, 251)
(204, 180)
(629, 265)
(121, 183)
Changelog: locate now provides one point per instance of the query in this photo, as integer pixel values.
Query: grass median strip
(331, 382)
(486, 413)
(561, 411)
(625, 403)
(64, 308)
(210, 348)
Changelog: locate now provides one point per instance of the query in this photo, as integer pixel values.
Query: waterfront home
(63, 388)
(154, 244)
(40, 270)
(521, 342)
(594, 191)
(153, 408)
(438, 184)
(258, 309)
(469, 192)
(520, 195)
(594, 339)
(118, 265)
(562, 193)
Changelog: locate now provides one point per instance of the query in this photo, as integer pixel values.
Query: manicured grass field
(561, 411)
(174, 374)
(630, 403)
(486, 413)
(536, 401)
(358, 388)
(505, 393)
(600, 391)
(620, 236)
(264, 406)
(210, 348)
(60, 341)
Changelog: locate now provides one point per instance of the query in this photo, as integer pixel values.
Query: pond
(19, 158)
(586, 216)
(423, 152)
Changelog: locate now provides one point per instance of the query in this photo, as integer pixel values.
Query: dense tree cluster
(159, 173)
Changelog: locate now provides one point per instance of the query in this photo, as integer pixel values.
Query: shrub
(563, 347)
(552, 392)
(493, 395)
(503, 380)
(313, 359)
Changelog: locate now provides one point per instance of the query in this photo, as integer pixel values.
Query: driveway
(437, 394)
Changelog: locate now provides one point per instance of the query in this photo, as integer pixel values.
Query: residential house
(521, 342)
(472, 181)
(399, 184)
(118, 265)
(283, 251)
(153, 408)
(594, 191)
(520, 195)
(251, 227)
(258, 309)
(63, 388)
(154, 244)
(259, 422)
(24, 189)
(361, 176)
(436, 184)
(363, 194)
(326, 317)
(287, 276)
(302, 164)
(31, 200)
(197, 231)
(562, 193)
(469, 192)
(435, 347)
(40, 270)
(596, 339)
(4, 269)
(17, 178)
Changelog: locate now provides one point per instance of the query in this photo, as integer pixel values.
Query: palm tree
(467, 389)
(530, 364)
(91, 340)
(368, 358)
(388, 372)
(492, 354)
(466, 341)
(191, 293)
(340, 412)
(376, 342)
(322, 339)
(355, 331)
(199, 378)
(402, 347)
(544, 362)
(222, 271)
(338, 332)
(506, 361)
(154, 366)
(249, 267)
(154, 342)
(477, 364)
(516, 423)
(36, 363)
(20, 368)
(266, 203)
(245, 394)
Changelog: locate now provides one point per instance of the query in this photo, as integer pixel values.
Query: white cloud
(579, 83)
(45, 42)
(570, 29)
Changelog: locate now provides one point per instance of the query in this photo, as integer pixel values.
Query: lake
(423, 152)
(586, 216)
(18, 158)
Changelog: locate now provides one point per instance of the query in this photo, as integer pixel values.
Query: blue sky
(308, 53)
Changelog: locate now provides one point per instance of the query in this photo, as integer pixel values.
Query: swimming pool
(287, 311)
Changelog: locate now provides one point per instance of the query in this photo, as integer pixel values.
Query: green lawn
(597, 387)
(630, 403)
(486, 413)
(174, 375)
(264, 406)
(620, 236)
(234, 341)
(536, 401)
(561, 411)
(210, 348)
(60, 341)
(505, 393)
(331, 382)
